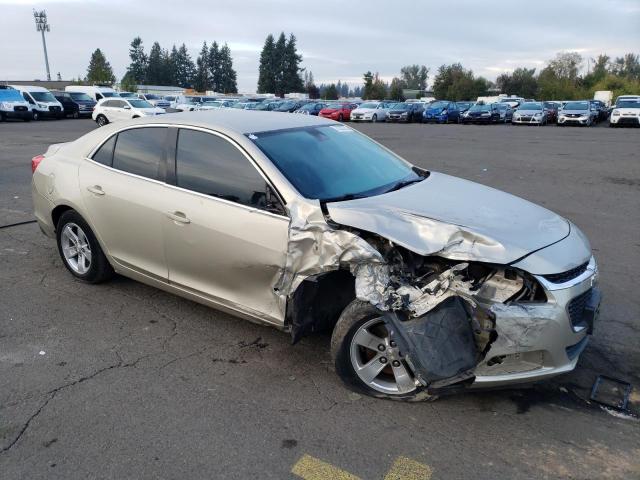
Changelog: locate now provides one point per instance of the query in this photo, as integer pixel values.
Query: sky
(339, 40)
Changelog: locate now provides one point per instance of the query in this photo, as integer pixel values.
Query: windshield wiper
(402, 184)
(342, 198)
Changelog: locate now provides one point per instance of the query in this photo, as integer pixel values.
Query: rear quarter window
(140, 151)
(104, 155)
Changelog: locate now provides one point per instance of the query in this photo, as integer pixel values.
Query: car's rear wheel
(80, 250)
(368, 360)
(76, 114)
(340, 118)
(101, 120)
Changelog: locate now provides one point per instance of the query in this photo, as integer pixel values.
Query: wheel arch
(318, 301)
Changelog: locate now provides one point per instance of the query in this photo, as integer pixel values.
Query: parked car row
(105, 105)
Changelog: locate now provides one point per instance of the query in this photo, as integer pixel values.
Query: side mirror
(127, 107)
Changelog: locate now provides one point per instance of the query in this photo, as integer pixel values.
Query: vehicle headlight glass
(486, 114)
(403, 114)
(443, 112)
(4, 105)
(42, 105)
(537, 114)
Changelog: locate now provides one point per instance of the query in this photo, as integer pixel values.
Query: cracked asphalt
(123, 381)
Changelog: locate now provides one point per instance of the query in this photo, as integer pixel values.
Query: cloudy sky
(338, 39)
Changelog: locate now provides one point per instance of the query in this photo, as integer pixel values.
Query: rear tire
(79, 249)
(101, 120)
(35, 116)
(359, 322)
(340, 118)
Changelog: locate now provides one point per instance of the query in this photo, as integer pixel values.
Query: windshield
(81, 96)
(368, 105)
(463, 105)
(530, 106)
(577, 106)
(480, 107)
(127, 94)
(10, 95)
(436, 105)
(191, 100)
(140, 104)
(620, 104)
(43, 97)
(337, 161)
(109, 94)
(152, 97)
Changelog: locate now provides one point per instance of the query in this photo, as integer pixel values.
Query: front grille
(628, 121)
(576, 309)
(54, 109)
(20, 108)
(568, 275)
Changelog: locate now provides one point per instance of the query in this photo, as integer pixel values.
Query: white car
(626, 112)
(113, 110)
(371, 112)
(155, 100)
(186, 103)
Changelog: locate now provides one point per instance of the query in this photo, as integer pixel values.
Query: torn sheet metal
(314, 247)
(456, 219)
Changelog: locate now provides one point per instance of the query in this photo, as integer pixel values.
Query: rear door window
(140, 151)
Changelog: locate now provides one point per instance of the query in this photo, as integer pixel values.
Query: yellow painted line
(406, 469)
(310, 468)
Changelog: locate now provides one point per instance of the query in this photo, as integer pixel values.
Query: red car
(338, 111)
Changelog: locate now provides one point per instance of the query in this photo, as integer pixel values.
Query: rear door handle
(96, 189)
(178, 217)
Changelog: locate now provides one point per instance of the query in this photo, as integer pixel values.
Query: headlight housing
(42, 105)
(486, 114)
(615, 113)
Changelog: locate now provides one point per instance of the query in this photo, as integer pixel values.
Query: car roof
(29, 88)
(239, 121)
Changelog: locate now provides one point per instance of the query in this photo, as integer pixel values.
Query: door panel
(230, 253)
(125, 216)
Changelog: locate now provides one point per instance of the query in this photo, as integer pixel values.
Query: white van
(94, 91)
(41, 102)
(13, 105)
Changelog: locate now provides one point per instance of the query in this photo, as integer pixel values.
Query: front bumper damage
(463, 322)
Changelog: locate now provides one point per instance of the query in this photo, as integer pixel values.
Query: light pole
(42, 26)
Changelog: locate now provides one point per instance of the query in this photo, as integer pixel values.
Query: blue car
(441, 111)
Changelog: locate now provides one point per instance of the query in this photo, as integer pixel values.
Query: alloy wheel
(76, 248)
(377, 361)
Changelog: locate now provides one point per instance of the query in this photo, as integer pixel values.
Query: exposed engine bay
(439, 309)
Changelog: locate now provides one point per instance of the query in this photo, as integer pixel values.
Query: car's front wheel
(368, 360)
(374, 119)
(80, 250)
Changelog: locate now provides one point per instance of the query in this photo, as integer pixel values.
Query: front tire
(367, 360)
(35, 116)
(79, 249)
(374, 119)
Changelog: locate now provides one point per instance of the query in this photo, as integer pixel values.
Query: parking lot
(121, 380)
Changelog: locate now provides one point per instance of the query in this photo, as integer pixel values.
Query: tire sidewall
(352, 318)
(100, 269)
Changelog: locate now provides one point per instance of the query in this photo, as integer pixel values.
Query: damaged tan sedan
(428, 283)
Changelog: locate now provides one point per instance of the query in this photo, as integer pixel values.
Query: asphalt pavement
(122, 381)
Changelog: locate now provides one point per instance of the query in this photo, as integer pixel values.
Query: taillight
(35, 161)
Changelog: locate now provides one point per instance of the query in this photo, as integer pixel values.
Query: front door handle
(96, 189)
(178, 217)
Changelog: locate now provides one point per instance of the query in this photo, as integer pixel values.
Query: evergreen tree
(137, 69)
(291, 67)
(99, 70)
(155, 67)
(202, 81)
(395, 92)
(331, 92)
(183, 67)
(266, 73)
(279, 54)
(415, 76)
(227, 75)
(128, 83)
(215, 70)
(368, 86)
(168, 73)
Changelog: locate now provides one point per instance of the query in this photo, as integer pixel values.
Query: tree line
(212, 70)
(280, 72)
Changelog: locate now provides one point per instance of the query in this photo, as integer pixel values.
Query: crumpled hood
(455, 219)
